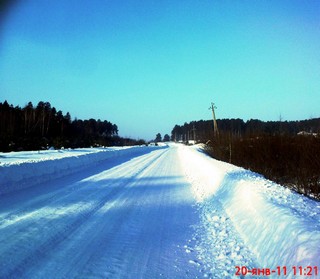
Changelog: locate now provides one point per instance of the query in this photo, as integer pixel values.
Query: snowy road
(133, 220)
(149, 213)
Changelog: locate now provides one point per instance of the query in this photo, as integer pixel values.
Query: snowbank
(281, 227)
(20, 170)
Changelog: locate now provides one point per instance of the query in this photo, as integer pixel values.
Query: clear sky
(147, 65)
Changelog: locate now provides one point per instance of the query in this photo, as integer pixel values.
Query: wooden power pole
(215, 125)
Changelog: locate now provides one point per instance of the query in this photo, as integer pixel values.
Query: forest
(237, 128)
(287, 152)
(43, 126)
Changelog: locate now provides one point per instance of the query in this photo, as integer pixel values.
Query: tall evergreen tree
(158, 138)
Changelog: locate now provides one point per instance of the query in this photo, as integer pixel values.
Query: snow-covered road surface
(132, 220)
(154, 213)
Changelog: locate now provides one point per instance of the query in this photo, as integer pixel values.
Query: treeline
(43, 126)
(287, 152)
(203, 130)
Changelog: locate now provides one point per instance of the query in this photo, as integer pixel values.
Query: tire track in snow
(155, 217)
(27, 241)
(23, 214)
(27, 206)
(95, 230)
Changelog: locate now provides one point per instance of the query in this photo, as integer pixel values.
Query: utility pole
(215, 125)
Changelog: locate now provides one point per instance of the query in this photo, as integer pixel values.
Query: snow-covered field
(149, 212)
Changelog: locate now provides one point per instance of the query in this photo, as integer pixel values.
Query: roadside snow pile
(15, 158)
(20, 170)
(280, 227)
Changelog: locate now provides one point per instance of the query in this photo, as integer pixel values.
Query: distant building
(304, 133)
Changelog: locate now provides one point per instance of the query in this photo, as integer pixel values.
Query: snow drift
(280, 227)
(20, 170)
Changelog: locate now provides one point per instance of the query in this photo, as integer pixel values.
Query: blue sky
(147, 65)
